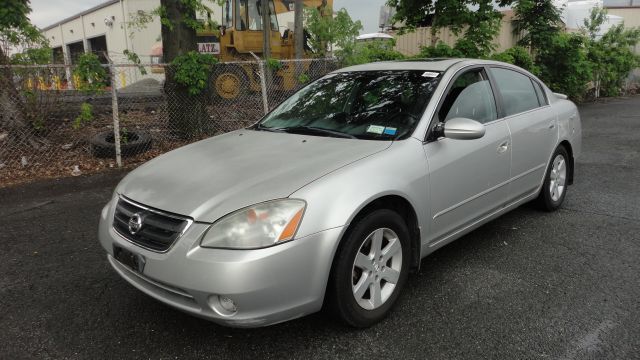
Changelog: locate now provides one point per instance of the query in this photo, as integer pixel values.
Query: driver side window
(469, 97)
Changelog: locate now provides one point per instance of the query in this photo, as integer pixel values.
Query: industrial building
(111, 28)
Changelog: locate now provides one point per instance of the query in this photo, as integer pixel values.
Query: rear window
(518, 94)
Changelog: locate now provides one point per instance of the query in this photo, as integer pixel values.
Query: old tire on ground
(103, 144)
(370, 269)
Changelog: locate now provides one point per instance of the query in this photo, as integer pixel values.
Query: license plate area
(129, 259)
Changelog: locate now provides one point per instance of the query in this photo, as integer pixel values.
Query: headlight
(256, 226)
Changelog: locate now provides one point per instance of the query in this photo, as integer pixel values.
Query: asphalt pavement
(529, 285)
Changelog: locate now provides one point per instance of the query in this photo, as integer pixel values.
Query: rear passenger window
(541, 98)
(518, 94)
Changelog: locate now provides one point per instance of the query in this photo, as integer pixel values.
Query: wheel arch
(567, 145)
(404, 208)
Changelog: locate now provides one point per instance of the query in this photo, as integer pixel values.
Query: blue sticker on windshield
(390, 131)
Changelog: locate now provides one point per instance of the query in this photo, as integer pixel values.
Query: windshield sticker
(390, 131)
(376, 129)
(430, 74)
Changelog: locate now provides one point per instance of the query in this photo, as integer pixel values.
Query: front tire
(554, 188)
(370, 268)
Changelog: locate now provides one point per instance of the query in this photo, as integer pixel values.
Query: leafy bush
(274, 64)
(192, 71)
(564, 65)
(611, 56)
(372, 51)
(304, 78)
(440, 50)
(90, 73)
(518, 56)
(85, 116)
(467, 48)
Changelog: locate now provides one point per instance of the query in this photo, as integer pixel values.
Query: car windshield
(379, 105)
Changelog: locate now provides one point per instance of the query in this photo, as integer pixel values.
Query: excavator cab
(241, 33)
(241, 30)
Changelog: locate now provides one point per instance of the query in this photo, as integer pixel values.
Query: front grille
(159, 229)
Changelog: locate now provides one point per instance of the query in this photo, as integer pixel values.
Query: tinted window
(541, 98)
(470, 97)
(367, 104)
(518, 94)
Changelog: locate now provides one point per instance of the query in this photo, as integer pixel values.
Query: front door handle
(503, 147)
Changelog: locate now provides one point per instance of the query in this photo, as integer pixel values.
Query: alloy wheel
(558, 177)
(376, 268)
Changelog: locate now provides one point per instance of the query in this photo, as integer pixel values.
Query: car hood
(213, 177)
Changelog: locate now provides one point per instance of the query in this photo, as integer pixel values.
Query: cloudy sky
(46, 12)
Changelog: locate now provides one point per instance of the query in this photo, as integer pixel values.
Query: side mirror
(463, 129)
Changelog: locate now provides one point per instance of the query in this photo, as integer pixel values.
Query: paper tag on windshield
(430, 74)
(376, 129)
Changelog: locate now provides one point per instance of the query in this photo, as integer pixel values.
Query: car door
(533, 128)
(467, 178)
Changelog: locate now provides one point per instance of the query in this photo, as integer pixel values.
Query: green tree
(33, 56)
(16, 31)
(537, 21)
(326, 31)
(518, 56)
(611, 56)
(186, 94)
(477, 22)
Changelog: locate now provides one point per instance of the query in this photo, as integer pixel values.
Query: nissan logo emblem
(135, 223)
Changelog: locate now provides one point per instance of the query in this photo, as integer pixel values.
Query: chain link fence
(54, 125)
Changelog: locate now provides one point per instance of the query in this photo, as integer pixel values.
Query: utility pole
(298, 29)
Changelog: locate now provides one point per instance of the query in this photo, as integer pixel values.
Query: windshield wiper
(265, 128)
(315, 130)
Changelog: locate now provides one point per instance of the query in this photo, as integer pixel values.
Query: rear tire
(370, 269)
(555, 185)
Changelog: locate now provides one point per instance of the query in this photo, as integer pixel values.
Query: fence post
(115, 112)
(263, 83)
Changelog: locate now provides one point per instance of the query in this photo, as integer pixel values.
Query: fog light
(228, 304)
(222, 305)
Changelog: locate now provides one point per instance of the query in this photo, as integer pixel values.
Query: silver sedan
(336, 195)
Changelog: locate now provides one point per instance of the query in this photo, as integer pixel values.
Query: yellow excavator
(241, 33)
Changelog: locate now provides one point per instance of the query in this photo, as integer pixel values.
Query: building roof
(85, 12)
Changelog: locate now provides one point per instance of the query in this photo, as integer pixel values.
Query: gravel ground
(564, 285)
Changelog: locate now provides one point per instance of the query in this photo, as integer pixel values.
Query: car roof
(435, 64)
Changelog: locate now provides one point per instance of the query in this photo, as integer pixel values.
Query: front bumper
(268, 285)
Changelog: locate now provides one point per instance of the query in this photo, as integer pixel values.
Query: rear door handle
(503, 147)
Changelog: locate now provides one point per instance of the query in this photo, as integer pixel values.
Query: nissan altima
(336, 195)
